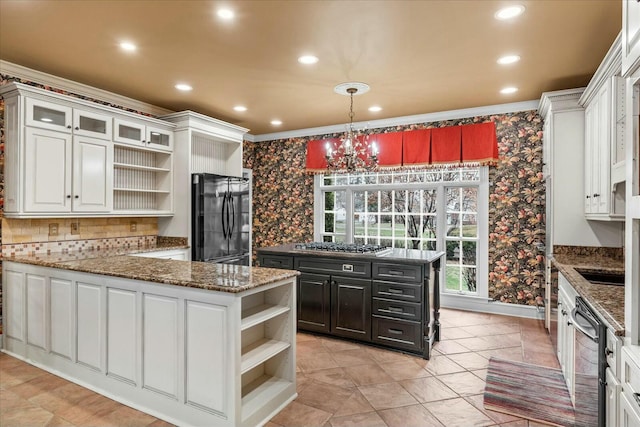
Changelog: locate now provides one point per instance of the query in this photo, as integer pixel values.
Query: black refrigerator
(221, 219)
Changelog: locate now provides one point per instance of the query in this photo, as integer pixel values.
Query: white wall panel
(14, 304)
(62, 317)
(160, 344)
(36, 310)
(90, 335)
(206, 383)
(121, 334)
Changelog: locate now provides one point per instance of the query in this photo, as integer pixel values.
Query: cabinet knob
(68, 196)
(68, 126)
(77, 127)
(77, 197)
(607, 352)
(596, 195)
(144, 142)
(588, 197)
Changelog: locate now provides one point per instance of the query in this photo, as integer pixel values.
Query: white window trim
(482, 272)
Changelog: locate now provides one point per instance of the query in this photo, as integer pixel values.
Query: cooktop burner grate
(342, 247)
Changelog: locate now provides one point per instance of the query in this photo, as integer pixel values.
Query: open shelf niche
(268, 348)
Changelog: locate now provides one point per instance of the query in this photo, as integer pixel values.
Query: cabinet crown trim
(560, 100)
(610, 66)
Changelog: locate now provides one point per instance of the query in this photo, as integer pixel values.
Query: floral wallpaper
(283, 200)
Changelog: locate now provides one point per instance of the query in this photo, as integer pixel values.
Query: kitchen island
(382, 296)
(188, 342)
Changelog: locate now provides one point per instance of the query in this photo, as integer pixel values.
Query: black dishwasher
(590, 366)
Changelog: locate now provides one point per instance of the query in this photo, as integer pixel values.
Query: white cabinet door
(14, 310)
(629, 416)
(90, 124)
(62, 317)
(159, 139)
(90, 333)
(37, 304)
(612, 399)
(47, 171)
(602, 152)
(122, 339)
(47, 115)
(630, 35)
(206, 384)
(92, 175)
(589, 144)
(161, 344)
(129, 132)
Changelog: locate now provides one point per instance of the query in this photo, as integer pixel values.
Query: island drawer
(349, 268)
(397, 333)
(397, 272)
(276, 261)
(397, 291)
(397, 309)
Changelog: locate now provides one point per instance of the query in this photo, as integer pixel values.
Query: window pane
(453, 199)
(429, 200)
(358, 201)
(469, 225)
(328, 180)
(329, 226)
(372, 201)
(371, 178)
(429, 245)
(327, 238)
(329, 200)
(386, 201)
(468, 279)
(450, 176)
(469, 250)
(341, 179)
(470, 199)
(416, 176)
(401, 201)
(452, 278)
(429, 226)
(471, 175)
(384, 179)
(398, 244)
(453, 252)
(386, 242)
(453, 224)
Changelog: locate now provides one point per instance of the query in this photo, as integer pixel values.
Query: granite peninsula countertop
(411, 256)
(607, 300)
(202, 275)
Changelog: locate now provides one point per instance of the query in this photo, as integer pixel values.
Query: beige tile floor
(339, 383)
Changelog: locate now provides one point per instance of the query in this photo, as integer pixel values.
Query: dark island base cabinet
(387, 303)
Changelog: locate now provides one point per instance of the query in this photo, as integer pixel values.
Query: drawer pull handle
(637, 397)
(607, 352)
(396, 272)
(347, 267)
(395, 331)
(395, 310)
(395, 291)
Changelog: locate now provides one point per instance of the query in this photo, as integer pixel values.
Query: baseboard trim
(482, 305)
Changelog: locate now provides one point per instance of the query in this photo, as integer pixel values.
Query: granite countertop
(412, 256)
(606, 300)
(201, 275)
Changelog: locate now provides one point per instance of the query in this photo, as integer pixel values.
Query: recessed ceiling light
(509, 12)
(128, 46)
(183, 87)
(375, 108)
(240, 108)
(508, 59)
(308, 59)
(226, 14)
(276, 122)
(508, 90)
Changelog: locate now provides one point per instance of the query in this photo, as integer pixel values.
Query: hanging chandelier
(355, 152)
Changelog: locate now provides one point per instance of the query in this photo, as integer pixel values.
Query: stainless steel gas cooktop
(344, 247)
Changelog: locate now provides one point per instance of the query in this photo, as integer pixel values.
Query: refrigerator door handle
(233, 215)
(224, 214)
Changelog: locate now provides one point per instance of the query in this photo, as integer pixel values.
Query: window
(431, 209)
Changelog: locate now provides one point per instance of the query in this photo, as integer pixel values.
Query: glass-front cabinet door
(48, 115)
(90, 124)
(159, 139)
(129, 132)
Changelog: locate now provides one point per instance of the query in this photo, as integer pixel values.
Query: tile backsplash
(24, 236)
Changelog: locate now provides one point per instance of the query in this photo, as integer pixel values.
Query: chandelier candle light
(352, 155)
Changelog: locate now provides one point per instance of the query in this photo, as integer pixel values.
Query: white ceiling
(417, 56)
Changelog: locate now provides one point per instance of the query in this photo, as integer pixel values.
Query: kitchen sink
(602, 277)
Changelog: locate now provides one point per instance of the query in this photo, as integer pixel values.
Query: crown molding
(610, 66)
(35, 76)
(488, 110)
(560, 100)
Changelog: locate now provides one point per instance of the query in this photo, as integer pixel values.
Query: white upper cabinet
(49, 115)
(604, 167)
(64, 156)
(630, 35)
(141, 135)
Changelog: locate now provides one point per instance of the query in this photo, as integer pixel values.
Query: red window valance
(454, 145)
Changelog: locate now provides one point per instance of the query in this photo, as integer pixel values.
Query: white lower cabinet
(177, 254)
(630, 396)
(566, 333)
(612, 399)
(189, 356)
